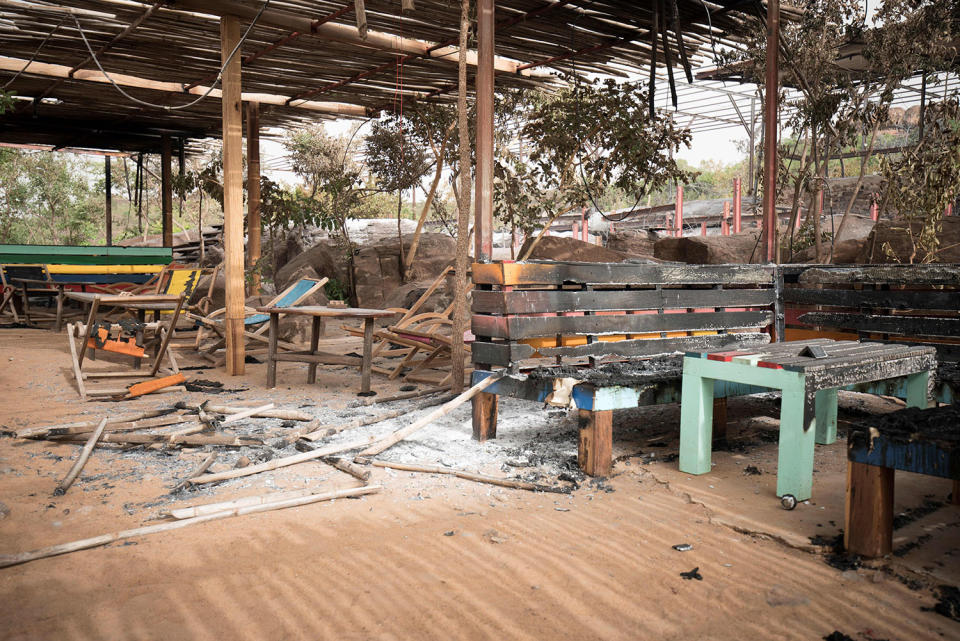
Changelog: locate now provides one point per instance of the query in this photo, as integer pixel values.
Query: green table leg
(917, 385)
(696, 420)
(826, 403)
(795, 460)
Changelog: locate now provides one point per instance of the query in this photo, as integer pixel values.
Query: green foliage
(335, 290)
(586, 139)
(923, 181)
(47, 198)
(6, 101)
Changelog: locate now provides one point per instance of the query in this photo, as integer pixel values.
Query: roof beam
(63, 71)
(344, 33)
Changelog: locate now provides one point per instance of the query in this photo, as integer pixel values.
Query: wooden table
(314, 357)
(158, 302)
(808, 408)
(60, 287)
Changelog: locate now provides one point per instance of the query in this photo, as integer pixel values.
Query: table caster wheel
(788, 501)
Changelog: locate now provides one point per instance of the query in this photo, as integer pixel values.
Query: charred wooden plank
(558, 273)
(516, 327)
(504, 354)
(903, 299)
(883, 274)
(528, 302)
(905, 325)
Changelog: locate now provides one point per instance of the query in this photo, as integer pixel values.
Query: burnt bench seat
(603, 336)
(923, 441)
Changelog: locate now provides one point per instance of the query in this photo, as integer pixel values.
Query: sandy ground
(438, 557)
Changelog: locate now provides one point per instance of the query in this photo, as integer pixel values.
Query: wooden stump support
(869, 510)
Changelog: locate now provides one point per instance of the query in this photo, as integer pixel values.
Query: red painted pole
(949, 211)
(736, 205)
(483, 221)
(583, 225)
(575, 230)
(724, 222)
(703, 229)
(874, 209)
(678, 217)
(770, 96)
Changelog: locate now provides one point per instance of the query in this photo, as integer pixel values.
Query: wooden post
(483, 224)
(678, 216)
(770, 97)
(366, 365)
(720, 419)
(108, 199)
(166, 190)
(232, 195)
(485, 407)
(595, 448)
(869, 510)
(253, 192)
(736, 205)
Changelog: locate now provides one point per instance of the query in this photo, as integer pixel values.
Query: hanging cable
(35, 53)
(210, 89)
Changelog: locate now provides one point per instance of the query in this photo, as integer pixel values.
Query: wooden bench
(596, 336)
(903, 304)
(920, 441)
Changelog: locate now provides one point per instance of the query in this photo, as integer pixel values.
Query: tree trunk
(460, 312)
(408, 263)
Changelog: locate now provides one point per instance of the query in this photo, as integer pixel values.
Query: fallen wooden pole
(81, 460)
(247, 413)
(288, 415)
(197, 471)
(7, 560)
(471, 476)
(330, 430)
(346, 466)
(120, 393)
(282, 462)
(404, 396)
(263, 499)
(86, 426)
(137, 439)
(154, 385)
(417, 425)
(363, 421)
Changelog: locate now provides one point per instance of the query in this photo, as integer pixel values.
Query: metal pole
(678, 213)
(166, 191)
(108, 203)
(483, 224)
(753, 142)
(736, 205)
(253, 193)
(725, 223)
(771, 92)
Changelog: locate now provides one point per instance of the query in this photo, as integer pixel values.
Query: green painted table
(808, 409)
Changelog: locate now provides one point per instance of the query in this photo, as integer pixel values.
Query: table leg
(367, 356)
(795, 458)
(595, 445)
(26, 305)
(272, 351)
(720, 419)
(91, 318)
(485, 407)
(59, 308)
(917, 388)
(826, 403)
(141, 318)
(314, 341)
(696, 419)
(868, 530)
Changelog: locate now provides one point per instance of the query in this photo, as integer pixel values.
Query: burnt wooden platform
(901, 304)
(561, 328)
(922, 441)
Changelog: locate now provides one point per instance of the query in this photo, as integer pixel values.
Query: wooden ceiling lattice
(303, 56)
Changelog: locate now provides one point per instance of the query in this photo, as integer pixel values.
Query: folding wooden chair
(290, 297)
(11, 286)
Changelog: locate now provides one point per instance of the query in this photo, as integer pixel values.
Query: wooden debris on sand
(81, 460)
(472, 476)
(7, 560)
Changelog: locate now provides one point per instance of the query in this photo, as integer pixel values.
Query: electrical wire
(35, 53)
(209, 90)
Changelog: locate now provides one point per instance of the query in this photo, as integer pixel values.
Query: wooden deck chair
(290, 297)
(8, 276)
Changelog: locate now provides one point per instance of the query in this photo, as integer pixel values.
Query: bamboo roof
(303, 59)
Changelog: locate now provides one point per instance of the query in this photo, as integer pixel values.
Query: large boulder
(710, 250)
(890, 242)
(636, 243)
(571, 249)
(845, 252)
(322, 259)
(377, 266)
